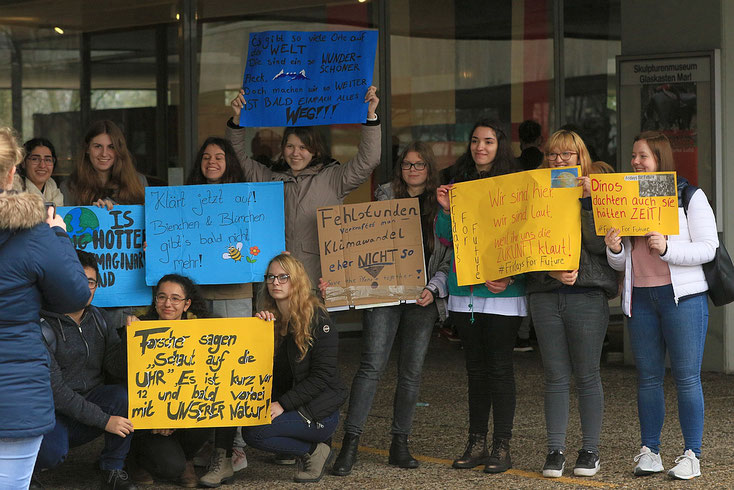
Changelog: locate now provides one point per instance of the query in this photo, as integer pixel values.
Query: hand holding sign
(372, 101)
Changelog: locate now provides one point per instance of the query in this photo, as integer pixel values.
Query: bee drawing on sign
(233, 252)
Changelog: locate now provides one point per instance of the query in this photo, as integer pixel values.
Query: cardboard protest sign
(635, 203)
(297, 78)
(371, 253)
(214, 234)
(116, 238)
(199, 373)
(516, 223)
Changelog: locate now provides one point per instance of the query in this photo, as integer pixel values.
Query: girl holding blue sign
(664, 280)
(410, 324)
(311, 178)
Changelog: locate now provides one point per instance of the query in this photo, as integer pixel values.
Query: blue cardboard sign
(315, 78)
(214, 234)
(116, 238)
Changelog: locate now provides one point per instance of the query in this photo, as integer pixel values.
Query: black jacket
(317, 389)
(80, 358)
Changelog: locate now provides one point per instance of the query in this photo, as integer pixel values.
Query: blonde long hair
(564, 139)
(302, 304)
(11, 153)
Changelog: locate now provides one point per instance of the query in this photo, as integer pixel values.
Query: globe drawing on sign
(564, 177)
(80, 224)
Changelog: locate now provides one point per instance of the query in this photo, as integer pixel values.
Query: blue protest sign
(116, 238)
(214, 234)
(297, 78)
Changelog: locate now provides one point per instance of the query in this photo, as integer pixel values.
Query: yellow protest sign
(214, 372)
(515, 223)
(635, 203)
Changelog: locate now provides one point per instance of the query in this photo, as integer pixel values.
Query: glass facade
(167, 77)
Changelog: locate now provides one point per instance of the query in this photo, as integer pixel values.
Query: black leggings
(165, 456)
(488, 346)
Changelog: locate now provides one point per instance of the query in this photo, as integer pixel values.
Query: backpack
(720, 271)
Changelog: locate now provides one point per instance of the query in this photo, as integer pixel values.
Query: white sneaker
(239, 459)
(688, 466)
(648, 462)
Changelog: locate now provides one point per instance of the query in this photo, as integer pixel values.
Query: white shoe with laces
(687, 466)
(648, 462)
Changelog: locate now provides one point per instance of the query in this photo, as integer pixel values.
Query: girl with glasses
(307, 390)
(34, 173)
(410, 324)
(167, 454)
(570, 311)
(487, 315)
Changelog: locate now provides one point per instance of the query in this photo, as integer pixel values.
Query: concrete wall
(654, 27)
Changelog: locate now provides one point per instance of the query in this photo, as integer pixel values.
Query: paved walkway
(439, 435)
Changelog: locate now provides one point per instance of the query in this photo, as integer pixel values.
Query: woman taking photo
(664, 296)
(105, 173)
(31, 276)
(310, 176)
(412, 324)
(34, 174)
(486, 315)
(570, 310)
(307, 390)
(167, 454)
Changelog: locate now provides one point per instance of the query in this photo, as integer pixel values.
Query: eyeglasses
(92, 283)
(565, 156)
(175, 300)
(282, 278)
(417, 165)
(39, 159)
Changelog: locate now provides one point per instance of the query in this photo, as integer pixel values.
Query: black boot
(499, 460)
(475, 454)
(347, 456)
(399, 454)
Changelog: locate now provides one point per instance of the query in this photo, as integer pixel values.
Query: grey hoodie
(80, 357)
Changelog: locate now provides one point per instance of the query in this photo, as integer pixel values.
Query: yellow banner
(516, 223)
(635, 203)
(214, 372)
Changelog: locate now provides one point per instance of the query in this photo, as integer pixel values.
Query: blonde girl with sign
(487, 315)
(307, 390)
(410, 324)
(167, 454)
(570, 311)
(665, 283)
(311, 178)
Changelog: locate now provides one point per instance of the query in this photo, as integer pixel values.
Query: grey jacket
(594, 270)
(438, 264)
(80, 357)
(313, 187)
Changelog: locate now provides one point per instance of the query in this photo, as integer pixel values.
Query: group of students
(662, 275)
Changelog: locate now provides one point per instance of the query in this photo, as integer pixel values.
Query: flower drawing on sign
(291, 75)
(253, 251)
(234, 253)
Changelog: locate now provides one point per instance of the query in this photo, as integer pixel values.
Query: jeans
(570, 330)
(412, 324)
(488, 345)
(290, 434)
(17, 457)
(68, 432)
(165, 457)
(658, 323)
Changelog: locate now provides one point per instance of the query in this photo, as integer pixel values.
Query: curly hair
(233, 172)
(311, 138)
(303, 304)
(123, 186)
(504, 161)
(563, 139)
(191, 290)
(432, 181)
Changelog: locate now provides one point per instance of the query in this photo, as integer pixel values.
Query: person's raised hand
(443, 197)
(54, 219)
(613, 241)
(237, 104)
(322, 287)
(372, 101)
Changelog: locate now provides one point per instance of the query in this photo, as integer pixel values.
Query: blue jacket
(39, 266)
